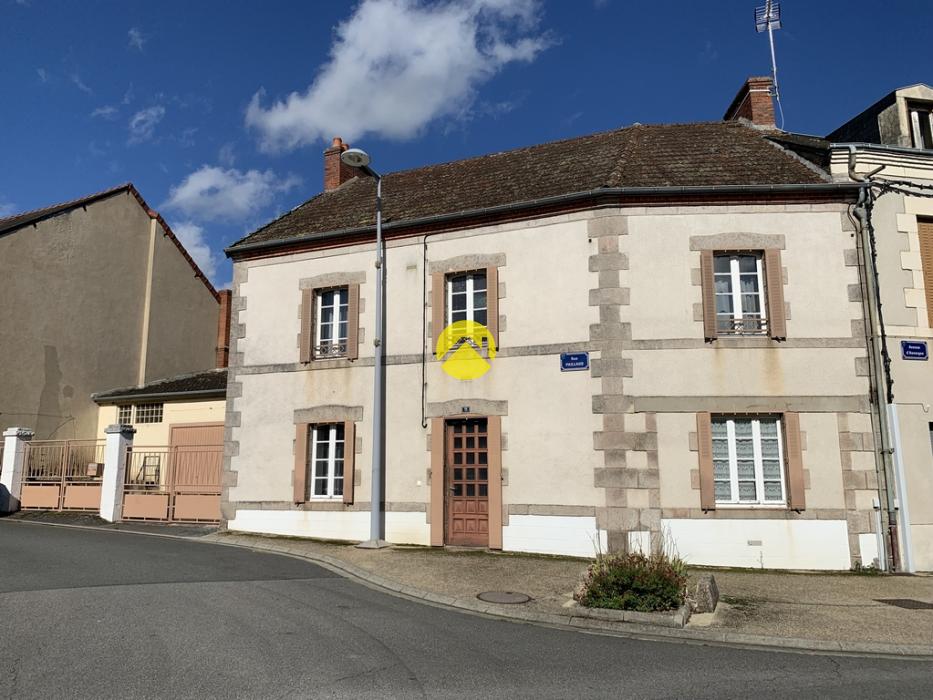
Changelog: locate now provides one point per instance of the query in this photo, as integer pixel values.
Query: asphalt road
(91, 614)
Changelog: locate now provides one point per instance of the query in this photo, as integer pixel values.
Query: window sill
(751, 506)
(745, 341)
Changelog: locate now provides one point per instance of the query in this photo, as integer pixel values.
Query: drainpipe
(871, 302)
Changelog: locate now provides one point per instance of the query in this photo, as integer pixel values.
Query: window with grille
(740, 299)
(126, 415)
(921, 125)
(748, 461)
(326, 460)
(466, 297)
(148, 413)
(331, 328)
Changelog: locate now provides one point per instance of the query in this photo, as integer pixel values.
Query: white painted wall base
(768, 544)
(575, 536)
(351, 526)
(639, 541)
(868, 549)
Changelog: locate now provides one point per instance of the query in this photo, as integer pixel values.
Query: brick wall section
(335, 171)
(753, 102)
(628, 441)
(223, 328)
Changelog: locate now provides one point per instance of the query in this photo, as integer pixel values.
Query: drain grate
(504, 597)
(906, 603)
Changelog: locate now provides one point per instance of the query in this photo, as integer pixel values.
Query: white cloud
(43, 74)
(227, 155)
(80, 84)
(108, 112)
(211, 193)
(143, 123)
(192, 237)
(7, 209)
(397, 65)
(137, 40)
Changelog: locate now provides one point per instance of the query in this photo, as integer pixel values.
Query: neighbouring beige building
(893, 142)
(705, 271)
(97, 293)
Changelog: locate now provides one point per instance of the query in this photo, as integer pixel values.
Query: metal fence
(62, 474)
(180, 483)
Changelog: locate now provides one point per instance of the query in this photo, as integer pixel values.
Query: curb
(584, 623)
(628, 630)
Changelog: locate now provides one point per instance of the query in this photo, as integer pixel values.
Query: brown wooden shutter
(705, 451)
(304, 344)
(438, 298)
(492, 302)
(774, 283)
(708, 282)
(793, 454)
(925, 233)
(349, 460)
(494, 435)
(301, 463)
(353, 321)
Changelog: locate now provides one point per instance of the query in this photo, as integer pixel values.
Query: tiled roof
(668, 155)
(211, 382)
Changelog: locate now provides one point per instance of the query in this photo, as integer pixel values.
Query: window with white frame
(325, 459)
(126, 415)
(740, 300)
(331, 327)
(466, 297)
(921, 125)
(148, 413)
(748, 461)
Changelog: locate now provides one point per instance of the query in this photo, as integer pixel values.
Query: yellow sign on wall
(461, 348)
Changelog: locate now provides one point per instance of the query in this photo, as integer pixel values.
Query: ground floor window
(326, 460)
(748, 460)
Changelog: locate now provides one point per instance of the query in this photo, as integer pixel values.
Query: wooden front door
(467, 482)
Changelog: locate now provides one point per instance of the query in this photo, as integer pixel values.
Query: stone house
(700, 276)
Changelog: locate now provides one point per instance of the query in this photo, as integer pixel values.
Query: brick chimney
(753, 102)
(335, 171)
(223, 328)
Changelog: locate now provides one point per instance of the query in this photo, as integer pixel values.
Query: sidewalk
(809, 611)
(822, 612)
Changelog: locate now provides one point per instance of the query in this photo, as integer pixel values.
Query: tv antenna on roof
(767, 19)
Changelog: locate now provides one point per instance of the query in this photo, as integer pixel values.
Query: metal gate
(173, 484)
(62, 475)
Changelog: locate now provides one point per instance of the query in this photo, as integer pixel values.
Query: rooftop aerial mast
(767, 19)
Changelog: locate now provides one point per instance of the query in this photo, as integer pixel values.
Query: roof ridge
(67, 204)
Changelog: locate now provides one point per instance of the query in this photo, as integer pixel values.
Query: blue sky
(218, 111)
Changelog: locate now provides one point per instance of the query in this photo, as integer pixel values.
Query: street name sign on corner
(574, 361)
(914, 350)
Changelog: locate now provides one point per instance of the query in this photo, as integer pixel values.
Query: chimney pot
(753, 102)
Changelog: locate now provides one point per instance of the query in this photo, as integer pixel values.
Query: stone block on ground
(706, 596)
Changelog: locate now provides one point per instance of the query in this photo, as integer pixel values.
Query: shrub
(645, 583)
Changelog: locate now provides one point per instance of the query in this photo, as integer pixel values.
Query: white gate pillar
(11, 473)
(119, 440)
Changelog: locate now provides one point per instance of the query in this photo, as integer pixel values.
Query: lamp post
(356, 158)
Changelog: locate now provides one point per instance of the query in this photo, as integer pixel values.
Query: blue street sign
(914, 350)
(574, 361)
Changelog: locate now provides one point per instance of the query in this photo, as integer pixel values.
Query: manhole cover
(504, 597)
(907, 603)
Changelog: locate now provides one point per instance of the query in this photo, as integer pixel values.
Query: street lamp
(357, 158)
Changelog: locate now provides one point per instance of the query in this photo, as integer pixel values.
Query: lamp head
(355, 158)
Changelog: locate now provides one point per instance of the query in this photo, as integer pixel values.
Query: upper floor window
(748, 461)
(149, 413)
(332, 327)
(921, 125)
(326, 460)
(466, 298)
(740, 300)
(126, 415)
